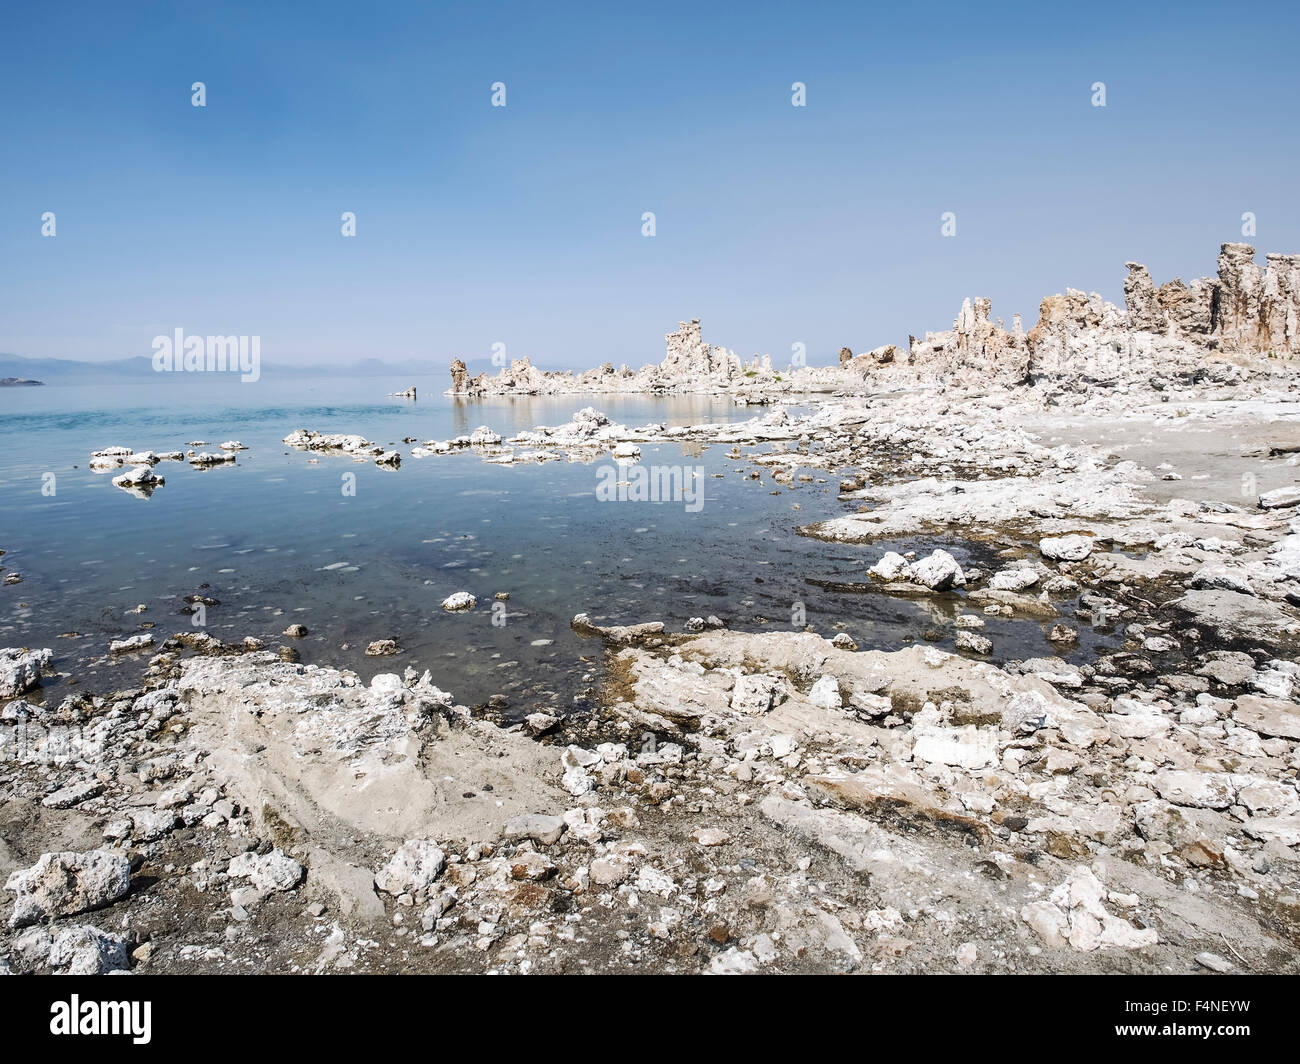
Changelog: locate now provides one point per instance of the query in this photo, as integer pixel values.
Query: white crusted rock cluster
(342, 443)
(851, 744)
(207, 459)
(139, 479)
(937, 572)
(975, 348)
(690, 365)
(114, 457)
(482, 437)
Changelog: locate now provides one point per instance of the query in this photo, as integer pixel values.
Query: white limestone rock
(757, 693)
(20, 669)
(142, 476)
(1065, 548)
(414, 868)
(1013, 579)
(86, 950)
(1280, 498)
(892, 567)
(267, 873)
(938, 572)
(826, 693)
(64, 883)
(1200, 790)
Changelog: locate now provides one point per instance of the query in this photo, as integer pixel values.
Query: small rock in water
(1013, 579)
(892, 567)
(938, 572)
(539, 723)
(976, 644)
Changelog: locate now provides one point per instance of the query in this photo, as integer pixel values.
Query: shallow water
(276, 540)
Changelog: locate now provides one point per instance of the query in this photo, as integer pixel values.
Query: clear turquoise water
(276, 541)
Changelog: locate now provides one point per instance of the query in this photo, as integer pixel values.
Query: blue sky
(522, 224)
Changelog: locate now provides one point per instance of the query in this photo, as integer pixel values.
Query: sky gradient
(522, 224)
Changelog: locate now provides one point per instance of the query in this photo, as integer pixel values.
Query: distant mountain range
(71, 371)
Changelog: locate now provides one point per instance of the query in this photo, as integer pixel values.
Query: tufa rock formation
(975, 346)
(689, 356)
(1245, 308)
(1176, 328)
(459, 377)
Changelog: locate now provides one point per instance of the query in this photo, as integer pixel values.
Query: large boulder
(20, 669)
(938, 572)
(64, 883)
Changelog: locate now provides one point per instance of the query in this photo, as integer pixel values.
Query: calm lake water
(275, 539)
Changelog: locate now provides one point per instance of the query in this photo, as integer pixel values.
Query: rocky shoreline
(782, 800)
(740, 802)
